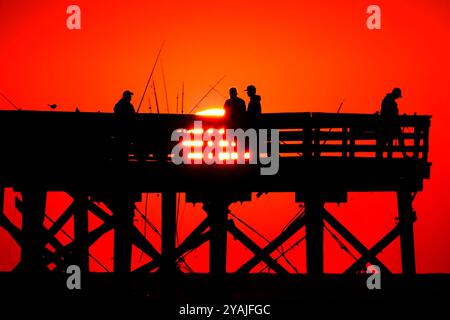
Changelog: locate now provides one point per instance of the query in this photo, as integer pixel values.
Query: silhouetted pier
(322, 158)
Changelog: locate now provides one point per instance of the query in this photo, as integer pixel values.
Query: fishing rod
(340, 107)
(182, 98)
(150, 105)
(165, 86)
(218, 92)
(9, 101)
(337, 112)
(150, 77)
(207, 93)
(176, 111)
(156, 97)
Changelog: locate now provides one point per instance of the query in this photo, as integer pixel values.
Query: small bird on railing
(53, 106)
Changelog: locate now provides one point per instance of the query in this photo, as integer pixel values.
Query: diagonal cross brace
(49, 234)
(351, 239)
(253, 247)
(376, 249)
(135, 235)
(293, 228)
(197, 237)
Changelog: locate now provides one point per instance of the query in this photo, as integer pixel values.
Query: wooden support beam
(314, 235)
(217, 210)
(17, 235)
(191, 240)
(90, 239)
(351, 239)
(292, 229)
(49, 234)
(374, 251)
(81, 229)
(123, 213)
(192, 244)
(344, 142)
(138, 239)
(253, 247)
(135, 235)
(62, 220)
(92, 207)
(2, 198)
(168, 234)
(189, 244)
(11, 228)
(33, 215)
(406, 218)
(351, 146)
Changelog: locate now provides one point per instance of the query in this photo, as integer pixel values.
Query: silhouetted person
(124, 107)
(234, 109)
(253, 111)
(254, 105)
(124, 130)
(390, 127)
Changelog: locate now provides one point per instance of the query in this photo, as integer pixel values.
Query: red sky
(301, 55)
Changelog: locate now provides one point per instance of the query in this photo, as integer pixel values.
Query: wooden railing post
(426, 133)
(417, 133)
(344, 142)
(307, 140)
(352, 142)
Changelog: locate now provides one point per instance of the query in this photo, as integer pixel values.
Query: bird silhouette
(53, 106)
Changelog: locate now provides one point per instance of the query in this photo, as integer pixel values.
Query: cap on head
(251, 88)
(397, 92)
(127, 93)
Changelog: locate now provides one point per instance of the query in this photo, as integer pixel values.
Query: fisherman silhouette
(124, 107)
(253, 111)
(124, 130)
(254, 105)
(234, 109)
(390, 127)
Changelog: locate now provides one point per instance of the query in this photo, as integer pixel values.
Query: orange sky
(301, 55)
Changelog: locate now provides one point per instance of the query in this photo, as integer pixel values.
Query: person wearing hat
(124, 130)
(390, 122)
(124, 107)
(254, 105)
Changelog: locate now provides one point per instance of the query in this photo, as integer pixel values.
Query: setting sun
(212, 112)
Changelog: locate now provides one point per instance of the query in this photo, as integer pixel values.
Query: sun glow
(212, 112)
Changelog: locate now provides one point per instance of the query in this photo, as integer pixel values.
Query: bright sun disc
(212, 112)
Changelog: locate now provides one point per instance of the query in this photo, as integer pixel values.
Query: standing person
(390, 123)
(254, 105)
(124, 107)
(234, 109)
(253, 111)
(124, 131)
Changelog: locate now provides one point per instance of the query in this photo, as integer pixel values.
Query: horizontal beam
(297, 135)
(296, 147)
(294, 174)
